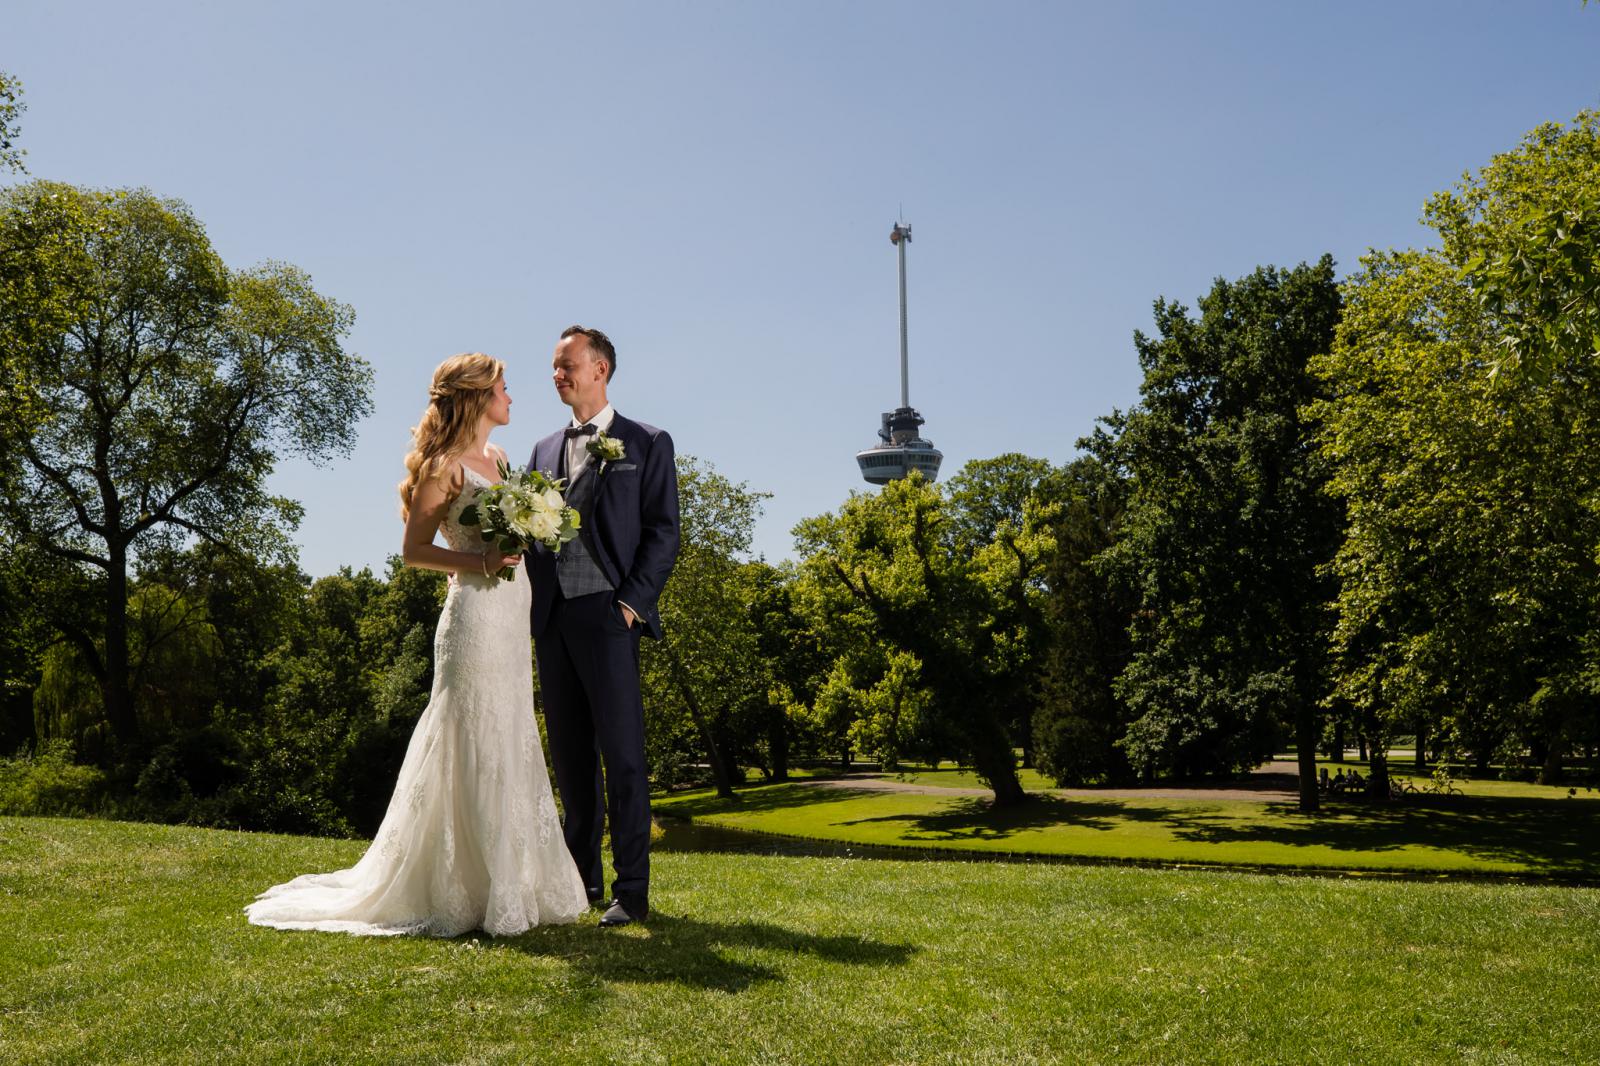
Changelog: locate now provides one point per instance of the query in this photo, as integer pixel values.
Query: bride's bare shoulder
(447, 477)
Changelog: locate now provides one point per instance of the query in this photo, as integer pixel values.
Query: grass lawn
(1033, 781)
(124, 943)
(1436, 834)
(965, 777)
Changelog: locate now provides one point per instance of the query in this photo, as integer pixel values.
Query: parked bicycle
(1400, 786)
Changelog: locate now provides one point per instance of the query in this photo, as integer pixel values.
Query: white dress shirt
(577, 447)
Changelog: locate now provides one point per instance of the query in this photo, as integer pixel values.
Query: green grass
(124, 943)
(965, 777)
(1033, 781)
(1448, 835)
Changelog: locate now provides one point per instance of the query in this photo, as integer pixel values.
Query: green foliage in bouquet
(523, 509)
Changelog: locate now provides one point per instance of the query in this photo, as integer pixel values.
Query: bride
(471, 839)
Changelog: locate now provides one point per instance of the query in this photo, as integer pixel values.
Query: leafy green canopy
(11, 109)
(1463, 429)
(929, 602)
(1524, 234)
(1225, 524)
(154, 391)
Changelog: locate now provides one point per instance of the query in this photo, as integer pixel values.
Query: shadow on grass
(979, 819)
(688, 951)
(1552, 837)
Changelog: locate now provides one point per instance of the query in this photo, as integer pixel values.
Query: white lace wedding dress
(471, 839)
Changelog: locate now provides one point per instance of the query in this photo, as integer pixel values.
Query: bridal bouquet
(525, 508)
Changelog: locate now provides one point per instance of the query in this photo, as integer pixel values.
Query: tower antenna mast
(901, 236)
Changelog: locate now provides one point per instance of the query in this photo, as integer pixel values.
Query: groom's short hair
(599, 346)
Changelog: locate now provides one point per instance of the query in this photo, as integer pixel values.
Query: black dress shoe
(597, 898)
(620, 914)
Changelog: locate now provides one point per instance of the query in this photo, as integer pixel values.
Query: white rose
(520, 518)
(545, 526)
(553, 500)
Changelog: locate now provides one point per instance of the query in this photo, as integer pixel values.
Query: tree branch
(205, 535)
(66, 486)
(47, 543)
(86, 647)
(164, 512)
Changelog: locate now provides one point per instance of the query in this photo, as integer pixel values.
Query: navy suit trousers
(594, 716)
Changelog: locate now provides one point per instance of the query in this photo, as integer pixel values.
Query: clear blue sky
(713, 184)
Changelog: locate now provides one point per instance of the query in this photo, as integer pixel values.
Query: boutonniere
(606, 449)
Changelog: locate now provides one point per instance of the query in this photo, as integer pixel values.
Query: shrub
(49, 783)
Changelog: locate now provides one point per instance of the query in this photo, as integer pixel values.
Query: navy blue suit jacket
(632, 524)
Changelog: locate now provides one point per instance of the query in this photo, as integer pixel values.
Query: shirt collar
(601, 421)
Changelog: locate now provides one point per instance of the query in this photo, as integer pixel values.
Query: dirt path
(1274, 782)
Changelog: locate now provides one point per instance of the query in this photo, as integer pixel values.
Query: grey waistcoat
(576, 569)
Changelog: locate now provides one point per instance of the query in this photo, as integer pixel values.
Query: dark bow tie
(588, 429)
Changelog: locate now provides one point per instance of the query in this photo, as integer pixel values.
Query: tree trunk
(1422, 747)
(1361, 746)
(995, 762)
(1378, 782)
(890, 762)
(719, 769)
(1554, 753)
(1480, 762)
(120, 714)
(1307, 730)
(1338, 740)
(778, 743)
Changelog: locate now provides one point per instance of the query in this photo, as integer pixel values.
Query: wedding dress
(471, 839)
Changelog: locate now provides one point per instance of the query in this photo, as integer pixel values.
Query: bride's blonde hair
(462, 387)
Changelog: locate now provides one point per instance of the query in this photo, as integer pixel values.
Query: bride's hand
(495, 560)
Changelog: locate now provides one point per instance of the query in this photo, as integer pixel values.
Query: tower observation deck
(901, 447)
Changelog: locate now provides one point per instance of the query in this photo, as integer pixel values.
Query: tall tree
(1226, 528)
(708, 671)
(1003, 515)
(1080, 719)
(796, 661)
(1464, 431)
(170, 387)
(885, 567)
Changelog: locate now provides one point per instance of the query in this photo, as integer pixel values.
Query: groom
(590, 605)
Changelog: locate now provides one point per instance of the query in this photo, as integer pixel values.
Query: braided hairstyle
(462, 387)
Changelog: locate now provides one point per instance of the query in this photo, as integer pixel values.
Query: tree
(316, 710)
(708, 670)
(1003, 515)
(889, 712)
(1464, 433)
(796, 663)
(24, 640)
(884, 569)
(1079, 720)
(1226, 528)
(169, 385)
(1524, 235)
